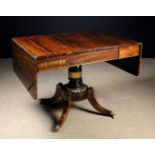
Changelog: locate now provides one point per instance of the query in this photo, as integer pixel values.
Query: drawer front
(78, 59)
(92, 57)
(125, 52)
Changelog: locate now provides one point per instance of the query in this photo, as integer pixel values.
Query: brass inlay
(75, 75)
(51, 63)
(130, 51)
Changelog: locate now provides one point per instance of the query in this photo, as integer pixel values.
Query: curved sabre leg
(64, 113)
(55, 96)
(91, 98)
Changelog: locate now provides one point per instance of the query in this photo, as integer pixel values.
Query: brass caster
(57, 127)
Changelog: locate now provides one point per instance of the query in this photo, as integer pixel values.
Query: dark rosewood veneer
(32, 54)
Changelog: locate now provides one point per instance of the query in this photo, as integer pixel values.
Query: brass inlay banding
(75, 75)
(51, 63)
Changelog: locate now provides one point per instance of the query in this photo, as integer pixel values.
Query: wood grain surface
(43, 52)
(43, 46)
(26, 69)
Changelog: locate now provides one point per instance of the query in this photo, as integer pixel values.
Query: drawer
(92, 57)
(78, 59)
(129, 51)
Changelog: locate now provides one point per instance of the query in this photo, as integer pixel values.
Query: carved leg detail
(91, 98)
(55, 96)
(74, 90)
(64, 113)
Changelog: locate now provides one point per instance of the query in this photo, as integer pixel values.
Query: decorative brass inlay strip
(52, 63)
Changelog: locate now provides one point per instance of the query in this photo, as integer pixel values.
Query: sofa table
(32, 54)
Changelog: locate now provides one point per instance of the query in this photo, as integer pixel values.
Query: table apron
(78, 59)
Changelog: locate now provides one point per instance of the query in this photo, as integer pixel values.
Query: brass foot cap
(57, 127)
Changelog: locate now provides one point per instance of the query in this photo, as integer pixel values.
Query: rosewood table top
(41, 46)
(32, 54)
